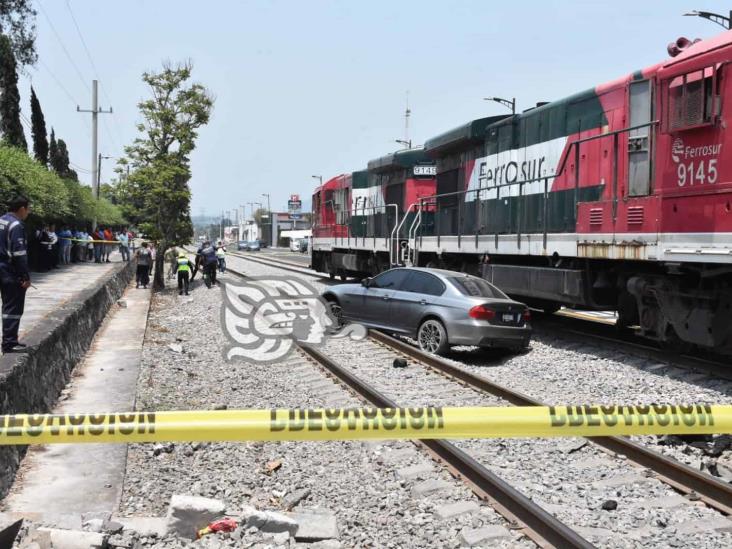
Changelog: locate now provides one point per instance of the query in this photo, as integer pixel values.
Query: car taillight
(527, 315)
(481, 312)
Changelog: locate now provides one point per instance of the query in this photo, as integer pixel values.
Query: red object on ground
(221, 525)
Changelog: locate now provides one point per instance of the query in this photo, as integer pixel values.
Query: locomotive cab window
(691, 100)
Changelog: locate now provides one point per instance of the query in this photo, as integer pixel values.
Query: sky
(319, 87)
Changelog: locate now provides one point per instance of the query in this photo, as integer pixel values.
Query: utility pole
(407, 114)
(271, 221)
(99, 173)
(95, 111)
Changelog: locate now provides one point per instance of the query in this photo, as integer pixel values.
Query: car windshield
(476, 287)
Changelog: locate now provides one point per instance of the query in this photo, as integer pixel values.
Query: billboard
(294, 205)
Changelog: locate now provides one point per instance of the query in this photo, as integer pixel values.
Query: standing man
(124, 245)
(183, 267)
(221, 256)
(208, 260)
(14, 275)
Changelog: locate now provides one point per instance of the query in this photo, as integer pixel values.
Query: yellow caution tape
(366, 423)
(87, 241)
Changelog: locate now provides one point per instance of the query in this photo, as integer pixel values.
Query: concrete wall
(32, 382)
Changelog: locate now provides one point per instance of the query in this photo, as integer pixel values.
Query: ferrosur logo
(677, 150)
(264, 317)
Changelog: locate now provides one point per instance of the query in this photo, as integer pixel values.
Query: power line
(79, 168)
(96, 72)
(63, 47)
(68, 94)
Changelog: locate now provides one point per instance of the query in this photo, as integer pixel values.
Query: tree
(65, 169)
(52, 151)
(10, 128)
(58, 158)
(40, 140)
(158, 184)
(18, 23)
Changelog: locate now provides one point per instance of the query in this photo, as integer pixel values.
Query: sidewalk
(59, 286)
(70, 479)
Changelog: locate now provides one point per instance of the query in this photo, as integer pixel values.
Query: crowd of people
(51, 249)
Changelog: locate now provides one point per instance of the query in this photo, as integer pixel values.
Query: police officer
(183, 267)
(208, 260)
(14, 275)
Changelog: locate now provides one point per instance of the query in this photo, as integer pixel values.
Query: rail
(713, 492)
(543, 528)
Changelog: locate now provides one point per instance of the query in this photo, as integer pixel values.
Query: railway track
(536, 523)
(601, 333)
(697, 485)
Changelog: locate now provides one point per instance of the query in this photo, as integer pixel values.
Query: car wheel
(432, 337)
(337, 311)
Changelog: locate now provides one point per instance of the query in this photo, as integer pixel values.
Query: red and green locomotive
(618, 197)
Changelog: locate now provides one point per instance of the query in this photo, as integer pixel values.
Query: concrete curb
(31, 382)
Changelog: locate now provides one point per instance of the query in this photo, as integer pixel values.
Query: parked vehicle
(438, 308)
(295, 244)
(248, 245)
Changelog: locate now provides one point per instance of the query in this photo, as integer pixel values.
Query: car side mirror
(366, 282)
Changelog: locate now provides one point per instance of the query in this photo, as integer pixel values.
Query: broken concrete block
(315, 525)
(146, 527)
(94, 525)
(268, 521)
(75, 539)
(188, 514)
(326, 544)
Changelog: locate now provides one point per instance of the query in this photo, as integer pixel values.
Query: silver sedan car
(438, 308)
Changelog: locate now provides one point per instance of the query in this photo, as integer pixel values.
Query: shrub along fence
(54, 201)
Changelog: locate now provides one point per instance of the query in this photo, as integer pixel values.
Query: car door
(376, 298)
(418, 291)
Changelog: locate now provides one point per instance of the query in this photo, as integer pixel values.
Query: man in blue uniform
(14, 275)
(207, 255)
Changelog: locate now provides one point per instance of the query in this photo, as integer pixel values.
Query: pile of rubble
(190, 521)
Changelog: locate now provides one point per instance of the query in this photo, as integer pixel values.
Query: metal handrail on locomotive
(615, 198)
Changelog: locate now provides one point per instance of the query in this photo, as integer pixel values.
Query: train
(618, 198)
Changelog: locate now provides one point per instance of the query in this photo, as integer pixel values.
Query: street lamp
(271, 222)
(505, 102)
(407, 144)
(720, 20)
(319, 177)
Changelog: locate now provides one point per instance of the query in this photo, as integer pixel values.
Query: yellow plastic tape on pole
(366, 423)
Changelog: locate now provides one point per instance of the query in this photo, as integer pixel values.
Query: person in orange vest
(109, 237)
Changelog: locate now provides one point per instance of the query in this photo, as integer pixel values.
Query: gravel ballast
(361, 484)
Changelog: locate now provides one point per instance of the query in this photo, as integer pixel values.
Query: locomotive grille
(596, 216)
(635, 215)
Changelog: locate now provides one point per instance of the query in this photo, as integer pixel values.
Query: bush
(53, 199)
